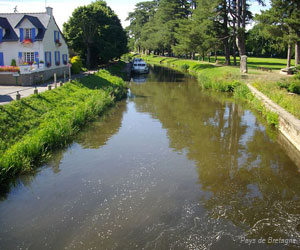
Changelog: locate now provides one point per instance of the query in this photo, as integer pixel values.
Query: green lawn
(32, 127)
(227, 78)
(253, 62)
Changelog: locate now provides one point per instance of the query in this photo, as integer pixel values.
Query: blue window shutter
(33, 34)
(1, 35)
(55, 59)
(46, 59)
(21, 34)
(58, 56)
(20, 56)
(50, 57)
(1, 59)
(36, 57)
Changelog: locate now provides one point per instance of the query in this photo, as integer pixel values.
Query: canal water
(171, 167)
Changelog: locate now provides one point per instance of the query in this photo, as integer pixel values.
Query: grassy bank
(32, 127)
(253, 62)
(220, 78)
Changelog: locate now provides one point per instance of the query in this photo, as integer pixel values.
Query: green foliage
(294, 87)
(95, 32)
(32, 127)
(13, 62)
(76, 64)
(127, 57)
(280, 95)
(184, 66)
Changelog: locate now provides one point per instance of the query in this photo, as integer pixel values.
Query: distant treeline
(211, 27)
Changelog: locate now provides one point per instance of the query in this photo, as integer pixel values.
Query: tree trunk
(234, 51)
(227, 51)
(241, 24)
(289, 56)
(216, 58)
(88, 57)
(297, 53)
(226, 32)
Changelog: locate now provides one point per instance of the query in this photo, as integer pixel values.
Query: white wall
(49, 44)
(11, 49)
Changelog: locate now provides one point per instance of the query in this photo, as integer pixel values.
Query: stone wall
(289, 125)
(33, 78)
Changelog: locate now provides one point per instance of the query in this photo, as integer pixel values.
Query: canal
(171, 167)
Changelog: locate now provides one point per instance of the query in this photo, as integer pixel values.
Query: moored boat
(139, 66)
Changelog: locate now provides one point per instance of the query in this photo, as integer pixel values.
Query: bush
(283, 85)
(294, 87)
(127, 57)
(76, 65)
(13, 62)
(184, 66)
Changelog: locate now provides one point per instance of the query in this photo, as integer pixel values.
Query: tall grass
(34, 126)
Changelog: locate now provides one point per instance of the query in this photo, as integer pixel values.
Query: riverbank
(32, 127)
(228, 79)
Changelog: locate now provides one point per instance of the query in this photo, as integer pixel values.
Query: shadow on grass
(203, 66)
(266, 64)
(94, 82)
(43, 98)
(23, 102)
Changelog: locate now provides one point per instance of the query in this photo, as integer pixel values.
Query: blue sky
(63, 8)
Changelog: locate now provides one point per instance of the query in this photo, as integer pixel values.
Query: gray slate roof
(10, 34)
(39, 20)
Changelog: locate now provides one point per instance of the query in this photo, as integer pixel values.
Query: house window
(28, 33)
(48, 59)
(57, 58)
(65, 59)
(56, 37)
(28, 57)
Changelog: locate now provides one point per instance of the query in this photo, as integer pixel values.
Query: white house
(32, 38)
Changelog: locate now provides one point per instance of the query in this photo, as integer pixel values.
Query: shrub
(294, 87)
(13, 62)
(184, 66)
(127, 57)
(76, 64)
(283, 85)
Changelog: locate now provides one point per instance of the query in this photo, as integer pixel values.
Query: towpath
(8, 93)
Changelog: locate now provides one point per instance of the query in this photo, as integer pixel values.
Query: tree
(282, 21)
(95, 32)
(138, 18)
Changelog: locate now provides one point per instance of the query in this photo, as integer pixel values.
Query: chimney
(49, 11)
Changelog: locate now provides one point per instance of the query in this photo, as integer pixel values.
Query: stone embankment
(288, 124)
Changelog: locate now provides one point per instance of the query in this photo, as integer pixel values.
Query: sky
(62, 9)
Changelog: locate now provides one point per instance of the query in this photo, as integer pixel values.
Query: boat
(139, 66)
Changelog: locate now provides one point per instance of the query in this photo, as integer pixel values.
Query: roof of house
(39, 20)
(10, 34)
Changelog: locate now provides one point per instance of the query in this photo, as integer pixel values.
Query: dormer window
(28, 33)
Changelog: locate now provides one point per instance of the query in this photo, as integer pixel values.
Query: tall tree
(282, 21)
(138, 18)
(95, 32)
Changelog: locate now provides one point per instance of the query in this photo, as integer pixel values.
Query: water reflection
(247, 178)
(171, 168)
(98, 133)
